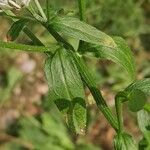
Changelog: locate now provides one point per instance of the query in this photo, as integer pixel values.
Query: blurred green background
(28, 121)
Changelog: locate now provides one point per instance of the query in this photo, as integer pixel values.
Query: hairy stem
(118, 105)
(24, 47)
(82, 7)
(119, 99)
(88, 79)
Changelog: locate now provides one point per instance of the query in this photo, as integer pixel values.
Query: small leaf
(136, 95)
(77, 29)
(143, 120)
(143, 85)
(66, 89)
(144, 125)
(137, 100)
(15, 29)
(124, 142)
(121, 54)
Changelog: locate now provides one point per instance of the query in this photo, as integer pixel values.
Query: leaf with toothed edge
(66, 89)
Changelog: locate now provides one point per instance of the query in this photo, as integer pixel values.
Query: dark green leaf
(121, 54)
(15, 29)
(124, 142)
(66, 89)
(137, 100)
(144, 145)
(75, 28)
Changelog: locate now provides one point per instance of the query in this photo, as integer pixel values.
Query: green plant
(67, 72)
(43, 131)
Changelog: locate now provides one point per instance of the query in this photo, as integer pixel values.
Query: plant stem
(24, 47)
(58, 37)
(26, 30)
(118, 105)
(34, 39)
(120, 97)
(82, 7)
(47, 10)
(88, 79)
(40, 9)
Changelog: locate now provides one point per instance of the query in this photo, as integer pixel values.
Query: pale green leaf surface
(143, 85)
(121, 55)
(77, 29)
(66, 89)
(143, 120)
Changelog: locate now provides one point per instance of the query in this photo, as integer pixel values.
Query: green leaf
(137, 100)
(124, 142)
(56, 128)
(143, 85)
(29, 48)
(136, 95)
(26, 30)
(143, 120)
(15, 29)
(33, 37)
(121, 54)
(144, 125)
(147, 107)
(91, 84)
(77, 29)
(66, 89)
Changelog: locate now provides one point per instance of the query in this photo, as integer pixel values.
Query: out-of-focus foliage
(7, 82)
(117, 16)
(144, 124)
(45, 131)
(125, 18)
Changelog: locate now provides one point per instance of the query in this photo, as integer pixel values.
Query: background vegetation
(27, 121)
